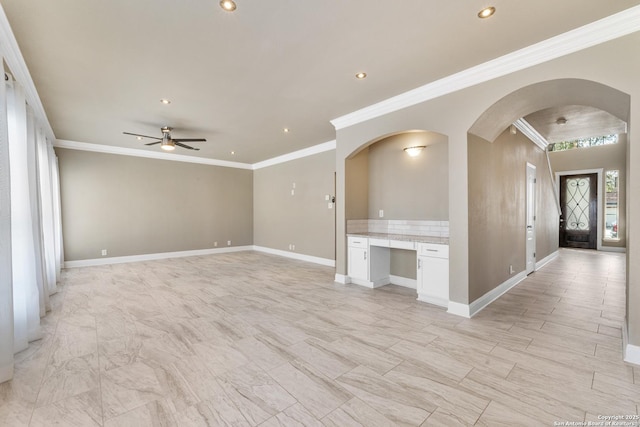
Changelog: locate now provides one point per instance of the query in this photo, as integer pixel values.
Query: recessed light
(233, 152)
(165, 101)
(286, 130)
(361, 76)
(486, 12)
(139, 138)
(228, 5)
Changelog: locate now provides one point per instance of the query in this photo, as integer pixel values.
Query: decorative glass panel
(577, 204)
(611, 205)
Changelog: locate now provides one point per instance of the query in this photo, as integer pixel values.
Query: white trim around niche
(594, 33)
(342, 279)
(600, 173)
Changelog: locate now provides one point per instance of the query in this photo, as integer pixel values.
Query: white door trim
(600, 173)
(530, 250)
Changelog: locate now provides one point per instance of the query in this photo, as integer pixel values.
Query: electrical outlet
(215, 244)
(381, 213)
(293, 192)
(511, 271)
(228, 242)
(293, 185)
(293, 247)
(330, 205)
(289, 246)
(104, 252)
(327, 197)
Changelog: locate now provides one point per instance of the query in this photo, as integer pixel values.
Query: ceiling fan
(168, 143)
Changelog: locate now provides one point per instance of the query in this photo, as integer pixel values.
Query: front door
(579, 202)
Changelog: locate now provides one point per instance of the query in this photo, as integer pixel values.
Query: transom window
(584, 143)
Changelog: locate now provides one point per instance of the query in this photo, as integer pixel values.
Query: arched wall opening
(497, 182)
(389, 191)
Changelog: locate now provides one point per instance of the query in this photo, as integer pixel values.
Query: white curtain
(26, 301)
(31, 253)
(6, 282)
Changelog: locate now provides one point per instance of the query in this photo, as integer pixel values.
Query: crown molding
(108, 149)
(527, 130)
(606, 29)
(15, 61)
(305, 152)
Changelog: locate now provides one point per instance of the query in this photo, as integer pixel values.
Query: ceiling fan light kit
(166, 142)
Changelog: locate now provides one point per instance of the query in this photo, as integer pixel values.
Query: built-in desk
(369, 262)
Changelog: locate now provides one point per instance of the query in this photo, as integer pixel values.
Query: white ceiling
(237, 79)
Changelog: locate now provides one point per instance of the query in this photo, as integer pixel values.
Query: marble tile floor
(249, 339)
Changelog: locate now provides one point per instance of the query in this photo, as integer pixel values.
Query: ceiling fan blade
(189, 139)
(153, 143)
(184, 146)
(144, 136)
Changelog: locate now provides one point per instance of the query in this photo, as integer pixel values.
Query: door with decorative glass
(579, 202)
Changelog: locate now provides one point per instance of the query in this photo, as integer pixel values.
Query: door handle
(529, 226)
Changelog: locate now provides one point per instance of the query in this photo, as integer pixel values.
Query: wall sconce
(414, 151)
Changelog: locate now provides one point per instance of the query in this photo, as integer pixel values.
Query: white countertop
(403, 237)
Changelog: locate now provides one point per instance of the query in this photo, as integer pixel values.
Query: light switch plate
(381, 213)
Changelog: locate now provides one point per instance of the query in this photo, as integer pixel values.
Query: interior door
(531, 219)
(579, 202)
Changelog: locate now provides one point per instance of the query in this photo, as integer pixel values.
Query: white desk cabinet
(433, 274)
(358, 259)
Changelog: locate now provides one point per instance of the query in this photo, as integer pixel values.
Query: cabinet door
(433, 280)
(358, 263)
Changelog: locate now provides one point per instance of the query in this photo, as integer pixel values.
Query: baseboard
(6, 372)
(476, 306)
(153, 257)
(296, 255)
(342, 279)
(546, 260)
(403, 281)
(433, 300)
(630, 352)
(361, 282)
(612, 249)
(458, 309)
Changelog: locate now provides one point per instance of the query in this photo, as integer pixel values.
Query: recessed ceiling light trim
(361, 75)
(286, 130)
(228, 5)
(561, 121)
(486, 12)
(165, 101)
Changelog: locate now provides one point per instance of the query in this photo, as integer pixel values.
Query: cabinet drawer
(402, 244)
(433, 250)
(358, 242)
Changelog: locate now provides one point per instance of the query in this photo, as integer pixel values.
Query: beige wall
(357, 186)
(497, 197)
(606, 157)
(412, 188)
(132, 206)
(304, 219)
